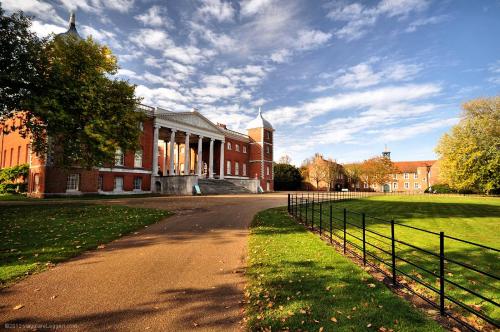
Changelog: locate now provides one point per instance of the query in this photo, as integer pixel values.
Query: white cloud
(45, 29)
(308, 39)
(494, 70)
(103, 36)
(97, 6)
(359, 17)
(39, 9)
(365, 75)
(416, 129)
(303, 113)
(413, 26)
(218, 10)
(187, 54)
(281, 56)
(252, 7)
(151, 38)
(155, 16)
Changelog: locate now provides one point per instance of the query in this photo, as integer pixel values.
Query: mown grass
(475, 219)
(298, 282)
(12, 197)
(34, 236)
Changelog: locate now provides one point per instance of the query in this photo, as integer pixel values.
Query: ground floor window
(236, 168)
(395, 185)
(118, 183)
(137, 183)
(73, 182)
(228, 167)
(407, 185)
(36, 181)
(267, 170)
(416, 186)
(244, 169)
(100, 181)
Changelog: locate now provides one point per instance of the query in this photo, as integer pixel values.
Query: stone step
(220, 187)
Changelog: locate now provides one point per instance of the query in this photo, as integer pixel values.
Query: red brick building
(176, 150)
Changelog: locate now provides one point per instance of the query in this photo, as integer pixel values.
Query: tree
(318, 171)
(470, 153)
(22, 66)
(377, 170)
(285, 159)
(74, 110)
(353, 172)
(286, 177)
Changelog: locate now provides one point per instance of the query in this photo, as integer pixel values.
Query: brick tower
(261, 133)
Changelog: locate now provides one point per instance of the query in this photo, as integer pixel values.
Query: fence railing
(443, 273)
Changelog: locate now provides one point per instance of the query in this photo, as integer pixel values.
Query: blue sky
(342, 78)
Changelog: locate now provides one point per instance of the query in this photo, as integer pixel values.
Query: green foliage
(22, 63)
(286, 177)
(31, 238)
(440, 189)
(470, 153)
(13, 179)
(67, 90)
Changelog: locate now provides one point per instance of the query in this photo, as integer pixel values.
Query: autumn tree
(73, 109)
(285, 159)
(470, 152)
(377, 170)
(332, 172)
(353, 172)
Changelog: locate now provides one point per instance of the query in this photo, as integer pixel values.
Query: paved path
(182, 273)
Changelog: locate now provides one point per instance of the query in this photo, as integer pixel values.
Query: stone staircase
(220, 187)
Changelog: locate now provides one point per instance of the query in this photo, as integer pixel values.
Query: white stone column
(172, 152)
(199, 164)
(221, 168)
(155, 155)
(164, 170)
(187, 155)
(211, 160)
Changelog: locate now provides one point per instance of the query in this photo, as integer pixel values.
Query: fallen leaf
(195, 324)
(19, 306)
(333, 319)
(369, 325)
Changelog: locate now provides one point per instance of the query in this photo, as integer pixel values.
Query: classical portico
(190, 142)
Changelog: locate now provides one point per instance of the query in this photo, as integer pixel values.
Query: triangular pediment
(191, 119)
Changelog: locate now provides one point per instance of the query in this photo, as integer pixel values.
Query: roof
(71, 28)
(411, 166)
(259, 122)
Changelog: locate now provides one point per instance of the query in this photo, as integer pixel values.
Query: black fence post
(441, 273)
(312, 214)
(331, 219)
(300, 209)
(393, 254)
(320, 218)
(345, 229)
(307, 205)
(364, 237)
(288, 202)
(296, 205)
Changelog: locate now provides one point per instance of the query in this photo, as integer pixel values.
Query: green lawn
(20, 197)
(33, 236)
(474, 219)
(298, 282)
(12, 197)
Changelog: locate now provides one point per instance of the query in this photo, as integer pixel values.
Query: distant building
(320, 164)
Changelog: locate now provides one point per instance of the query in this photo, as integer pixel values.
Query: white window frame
(394, 185)
(138, 159)
(138, 183)
(395, 176)
(268, 170)
(416, 185)
(236, 168)
(114, 183)
(229, 147)
(119, 157)
(237, 147)
(415, 175)
(73, 182)
(407, 185)
(244, 149)
(244, 169)
(406, 175)
(365, 185)
(228, 167)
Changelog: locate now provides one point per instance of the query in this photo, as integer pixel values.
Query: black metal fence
(459, 279)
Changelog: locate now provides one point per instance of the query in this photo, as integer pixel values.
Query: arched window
(229, 147)
(138, 158)
(119, 157)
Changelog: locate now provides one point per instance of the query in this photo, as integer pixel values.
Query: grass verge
(298, 282)
(35, 236)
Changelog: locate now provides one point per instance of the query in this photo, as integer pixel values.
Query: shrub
(13, 179)
(440, 189)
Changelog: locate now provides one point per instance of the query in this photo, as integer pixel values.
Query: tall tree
(74, 109)
(353, 172)
(377, 170)
(23, 62)
(470, 153)
(332, 172)
(286, 177)
(285, 159)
